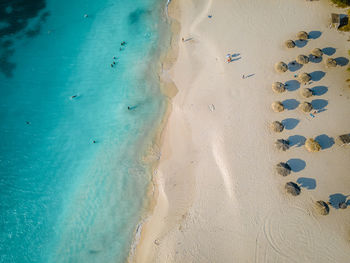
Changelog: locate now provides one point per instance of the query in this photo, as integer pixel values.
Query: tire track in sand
(285, 233)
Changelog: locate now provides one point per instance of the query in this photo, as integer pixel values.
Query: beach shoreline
(168, 89)
(216, 197)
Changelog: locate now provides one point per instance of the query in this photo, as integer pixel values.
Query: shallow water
(65, 198)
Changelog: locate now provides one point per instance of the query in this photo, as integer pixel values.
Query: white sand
(219, 199)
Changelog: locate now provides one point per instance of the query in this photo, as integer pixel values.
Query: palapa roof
(322, 207)
(277, 106)
(305, 106)
(343, 205)
(277, 126)
(282, 145)
(278, 87)
(283, 169)
(304, 77)
(335, 18)
(302, 35)
(302, 59)
(343, 139)
(289, 43)
(306, 92)
(281, 67)
(292, 188)
(312, 146)
(317, 52)
(331, 62)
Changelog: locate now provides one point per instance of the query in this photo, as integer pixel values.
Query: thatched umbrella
(312, 146)
(343, 205)
(316, 52)
(305, 107)
(282, 145)
(289, 43)
(331, 62)
(322, 207)
(292, 188)
(278, 87)
(277, 126)
(306, 92)
(283, 169)
(281, 67)
(302, 59)
(304, 78)
(343, 140)
(302, 35)
(277, 106)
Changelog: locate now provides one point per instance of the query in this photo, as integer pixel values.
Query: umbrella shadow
(296, 140)
(329, 51)
(341, 61)
(319, 104)
(308, 183)
(292, 85)
(336, 199)
(317, 75)
(235, 55)
(325, 141)
(296, 165)
(290, 104)
(294, 66)
(290, 123)
(235, 59)
(250, 75)
(300, 43)
(314, 34)
(314, 59)
(319, 90)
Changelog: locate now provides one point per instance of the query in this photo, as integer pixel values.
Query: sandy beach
(218, 197)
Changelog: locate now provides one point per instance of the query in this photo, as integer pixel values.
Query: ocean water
(72, 177)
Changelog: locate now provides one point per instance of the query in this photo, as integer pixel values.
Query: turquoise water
(72, 180)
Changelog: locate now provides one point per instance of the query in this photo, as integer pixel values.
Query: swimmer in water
(111, 65)
(74, 96)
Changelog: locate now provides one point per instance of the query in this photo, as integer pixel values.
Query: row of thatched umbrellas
(301, 59)
(311, 145)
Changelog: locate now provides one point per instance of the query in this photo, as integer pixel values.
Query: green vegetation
(341, 3)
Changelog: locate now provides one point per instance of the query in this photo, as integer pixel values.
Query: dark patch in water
(7, 67)
(135, 16)
(92, 251)
(16, 14)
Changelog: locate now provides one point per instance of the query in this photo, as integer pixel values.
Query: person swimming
(123, 43)
(74, 96)
(132, 107)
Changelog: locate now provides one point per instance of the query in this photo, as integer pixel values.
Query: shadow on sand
(319, 90)
(290, 104)
(290, 123)
(325, 141)
(296, 140)
(308, 183)
(296, 165)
